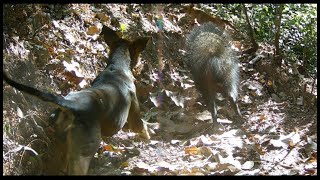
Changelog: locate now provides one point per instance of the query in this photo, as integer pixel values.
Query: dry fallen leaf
(247, 165)
(103, 17)
(19, 112)
(92, 30)
(124, 164)
(111, 148)
(206, 151)
(191, 150)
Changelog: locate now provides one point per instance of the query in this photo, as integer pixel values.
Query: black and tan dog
(101, 110)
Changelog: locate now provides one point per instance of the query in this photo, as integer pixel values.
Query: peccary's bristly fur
(213, 65)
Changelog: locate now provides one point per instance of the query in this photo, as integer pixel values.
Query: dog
(101, 110)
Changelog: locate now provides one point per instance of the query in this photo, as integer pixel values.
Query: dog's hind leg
(83, 142)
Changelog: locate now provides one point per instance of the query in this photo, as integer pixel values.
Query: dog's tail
(45, 96)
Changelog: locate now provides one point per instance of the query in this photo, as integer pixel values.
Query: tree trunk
(254, 47)
(277, 56)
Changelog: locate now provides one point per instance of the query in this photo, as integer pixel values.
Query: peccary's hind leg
(212, 105)
(235, 106)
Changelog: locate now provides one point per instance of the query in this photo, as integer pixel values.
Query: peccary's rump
(213, 65)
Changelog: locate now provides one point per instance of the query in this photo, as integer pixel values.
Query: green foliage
(123, 28)
(230, 12)
(7, 128)
(299, 35)
(298, 39)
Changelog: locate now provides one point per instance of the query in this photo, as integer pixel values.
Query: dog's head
(132, 48)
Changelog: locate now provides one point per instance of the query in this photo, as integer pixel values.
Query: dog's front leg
(134, 120)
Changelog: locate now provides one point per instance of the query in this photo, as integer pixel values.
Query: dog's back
(103, 109)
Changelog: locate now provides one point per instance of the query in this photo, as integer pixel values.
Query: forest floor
(56, 48)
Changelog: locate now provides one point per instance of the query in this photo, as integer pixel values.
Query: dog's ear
(110, 36)
(136, 47)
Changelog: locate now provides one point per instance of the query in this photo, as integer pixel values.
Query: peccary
(213, 65)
